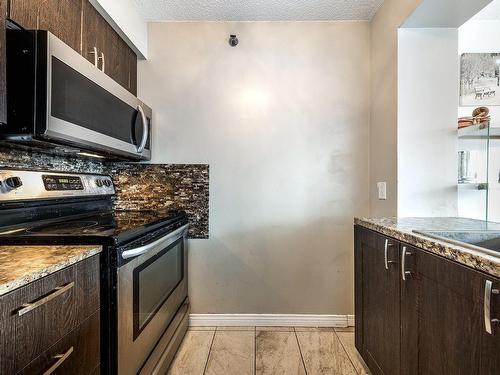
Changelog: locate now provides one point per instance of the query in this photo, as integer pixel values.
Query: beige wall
(383, 124)
(283, 121)
(427, 139)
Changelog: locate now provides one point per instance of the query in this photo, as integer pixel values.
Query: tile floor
(268, 350)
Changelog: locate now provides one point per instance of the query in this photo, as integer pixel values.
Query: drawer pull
(404, 272)
(60, 359)
(488, 291)
(386, 247)
(27, 307)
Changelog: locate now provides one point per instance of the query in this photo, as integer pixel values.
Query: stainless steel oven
(152, 289)
(57, 99)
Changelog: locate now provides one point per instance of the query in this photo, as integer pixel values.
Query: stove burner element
(63, 227)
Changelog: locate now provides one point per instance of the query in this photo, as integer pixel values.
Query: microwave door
(86, 107)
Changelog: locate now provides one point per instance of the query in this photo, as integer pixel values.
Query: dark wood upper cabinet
(381, 303)
(81, 26)
(93, 39)
(441, 312)
(113, 54)
(116, 58)
(132, 57)
(25, 12)
(61, 17)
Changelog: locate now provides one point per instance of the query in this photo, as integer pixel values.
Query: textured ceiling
(489, 12)
(257, 10)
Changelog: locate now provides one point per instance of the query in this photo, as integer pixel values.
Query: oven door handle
(127, 254)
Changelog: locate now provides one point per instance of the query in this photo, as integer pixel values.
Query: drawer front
(36, 316)
(77, 353)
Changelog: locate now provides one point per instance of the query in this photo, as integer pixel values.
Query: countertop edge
(479, 261)
(32, 276)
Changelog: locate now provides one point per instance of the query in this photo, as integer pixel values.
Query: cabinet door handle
(103, 65)
(488, 291)
(93, 51)
(386, 261)
(60, 359)
(404, 272)
(27, 307)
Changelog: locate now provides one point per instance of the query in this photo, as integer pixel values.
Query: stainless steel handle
(145, 130)
(96, 55)
(386, 247)
(27, 307)
(404, 253)
(103, 65)
(60, 359)
(144, 249)
(488, 291)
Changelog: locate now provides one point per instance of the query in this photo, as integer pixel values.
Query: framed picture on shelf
(479, 79)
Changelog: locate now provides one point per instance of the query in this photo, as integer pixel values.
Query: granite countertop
(402, 229)
(21, 265)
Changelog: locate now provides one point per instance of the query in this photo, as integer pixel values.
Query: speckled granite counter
(20, 265)
(402, 229)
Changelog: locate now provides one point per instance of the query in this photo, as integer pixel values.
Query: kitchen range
(143, 280)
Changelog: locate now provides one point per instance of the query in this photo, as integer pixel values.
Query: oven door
(152, 285)
(87, 108)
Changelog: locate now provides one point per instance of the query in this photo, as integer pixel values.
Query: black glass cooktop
(108, 227)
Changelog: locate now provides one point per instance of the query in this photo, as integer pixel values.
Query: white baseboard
(270, 320)
(350, 320)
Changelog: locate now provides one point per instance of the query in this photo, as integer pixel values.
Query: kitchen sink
(487, 241)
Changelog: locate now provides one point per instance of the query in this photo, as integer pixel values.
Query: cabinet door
(490, 335)
(442, 316)
(113, 54)
(381, 303)
(116, 58)
(63, 19)
(93, 37)
(25, 13)
(132, 57)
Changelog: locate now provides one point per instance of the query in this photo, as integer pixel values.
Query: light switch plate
(382, 190)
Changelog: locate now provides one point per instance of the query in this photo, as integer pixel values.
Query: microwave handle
(144, 249)
(145, 130)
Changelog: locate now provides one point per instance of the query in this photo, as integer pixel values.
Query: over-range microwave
(58, 100)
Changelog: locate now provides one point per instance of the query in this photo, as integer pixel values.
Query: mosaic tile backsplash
(138, 185)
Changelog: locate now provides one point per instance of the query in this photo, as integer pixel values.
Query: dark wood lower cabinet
(35, 318)
(441, 308)
(78, 353)
(381, 317)
(442, 311)
(490, 343)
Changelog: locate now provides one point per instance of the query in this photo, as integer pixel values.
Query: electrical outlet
(382, 190)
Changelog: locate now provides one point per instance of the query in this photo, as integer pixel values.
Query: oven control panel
(62, 183)
(21, 185)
